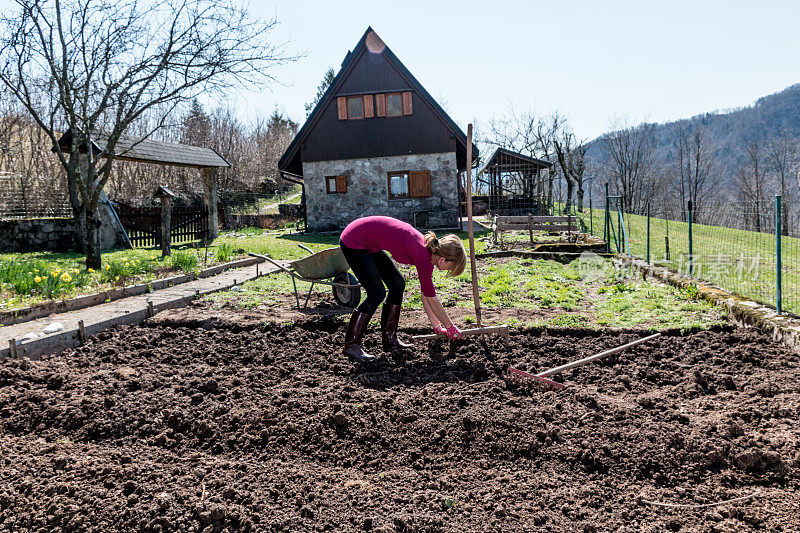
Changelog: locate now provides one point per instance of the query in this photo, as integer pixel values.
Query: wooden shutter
(341, 184)
(381, 103)
(407, 110)
(419, 183)
(368, 109)
(341, 101)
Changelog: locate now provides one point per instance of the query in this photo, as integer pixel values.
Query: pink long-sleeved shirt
(402, 240)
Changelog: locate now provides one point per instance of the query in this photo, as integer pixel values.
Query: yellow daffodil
(36, 270)
(37, 279)
(65, 278)
(108, 267)
(116, 279)
(91, 271)
(55, 274)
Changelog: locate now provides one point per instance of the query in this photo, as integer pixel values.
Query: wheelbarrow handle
(267, 258)
(307, 249)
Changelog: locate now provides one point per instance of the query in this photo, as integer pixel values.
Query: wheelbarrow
(318, 268)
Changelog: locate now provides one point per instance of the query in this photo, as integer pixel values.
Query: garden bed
(204, 421)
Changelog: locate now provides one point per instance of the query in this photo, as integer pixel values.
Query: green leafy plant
(225, 251)
(690, 292)
(185, 261)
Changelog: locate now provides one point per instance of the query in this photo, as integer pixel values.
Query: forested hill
(729, 132)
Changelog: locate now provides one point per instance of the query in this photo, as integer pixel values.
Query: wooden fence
(143, 225)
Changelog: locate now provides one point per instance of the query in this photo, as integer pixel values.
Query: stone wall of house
(368, 194)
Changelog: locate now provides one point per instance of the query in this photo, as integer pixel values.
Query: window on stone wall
(398, 185)
(409, 184)
(336, 184)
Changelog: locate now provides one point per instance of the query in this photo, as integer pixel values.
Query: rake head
(520, 377)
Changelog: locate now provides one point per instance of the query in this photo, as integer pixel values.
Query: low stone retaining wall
(37, 234)
(259, 221)
(742, 311)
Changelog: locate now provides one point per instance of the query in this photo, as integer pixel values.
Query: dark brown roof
(373, 136)
(129, 148)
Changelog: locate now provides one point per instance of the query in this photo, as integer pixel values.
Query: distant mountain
(730, 131)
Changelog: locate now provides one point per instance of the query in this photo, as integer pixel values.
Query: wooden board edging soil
(69, 338)
(26, 314)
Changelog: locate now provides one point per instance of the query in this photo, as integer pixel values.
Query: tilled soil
(226, 424)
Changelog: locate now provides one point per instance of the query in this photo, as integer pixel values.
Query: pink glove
(439, 330)
(453, 333)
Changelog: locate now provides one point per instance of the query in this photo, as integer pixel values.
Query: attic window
(382, 105)
(355, 107)
(394, 105)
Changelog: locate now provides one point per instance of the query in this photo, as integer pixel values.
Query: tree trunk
(78, 212)
(580, 196)
(92, 221)
(568, 203)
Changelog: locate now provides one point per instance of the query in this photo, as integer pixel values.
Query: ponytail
(450, 248)
(432, 243)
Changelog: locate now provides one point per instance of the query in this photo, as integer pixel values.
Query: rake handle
(595, 357)
(502, 330)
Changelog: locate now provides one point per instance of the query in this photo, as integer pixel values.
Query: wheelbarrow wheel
(344, 296)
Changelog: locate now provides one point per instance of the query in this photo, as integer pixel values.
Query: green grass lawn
(736, 260)
(550, 294)
(285, 245)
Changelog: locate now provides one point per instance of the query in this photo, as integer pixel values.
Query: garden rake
(480, 330)
(540, 380)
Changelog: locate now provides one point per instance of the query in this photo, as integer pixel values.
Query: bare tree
(571, 156)
(783, 160)
(630, 163)
(750, 185)
(530, 134)
(695, 172)
(91, 66)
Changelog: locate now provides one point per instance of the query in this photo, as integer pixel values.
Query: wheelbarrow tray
(321, 265)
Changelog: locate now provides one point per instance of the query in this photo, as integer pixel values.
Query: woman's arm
(435, 311)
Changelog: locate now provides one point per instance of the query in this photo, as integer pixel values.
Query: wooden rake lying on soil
(540, 380)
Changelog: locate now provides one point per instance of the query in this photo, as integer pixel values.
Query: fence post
(778, 278)
(691, 244)
(591, 214)
(648, 233)
(619, 225)
(606, 229)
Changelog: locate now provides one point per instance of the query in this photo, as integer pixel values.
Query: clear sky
(591, 60)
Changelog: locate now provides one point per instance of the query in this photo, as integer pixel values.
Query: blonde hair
(451, 248)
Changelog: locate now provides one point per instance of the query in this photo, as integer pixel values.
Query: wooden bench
(531, 223)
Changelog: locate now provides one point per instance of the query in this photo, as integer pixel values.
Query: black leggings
(372, 272)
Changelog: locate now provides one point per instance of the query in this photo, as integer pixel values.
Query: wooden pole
(471, 230)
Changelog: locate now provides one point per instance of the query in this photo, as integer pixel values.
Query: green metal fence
(752, 259)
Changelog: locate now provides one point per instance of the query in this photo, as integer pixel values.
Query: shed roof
(514, 159)
(130, 148)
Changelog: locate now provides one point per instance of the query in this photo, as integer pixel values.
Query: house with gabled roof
(377, 143)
